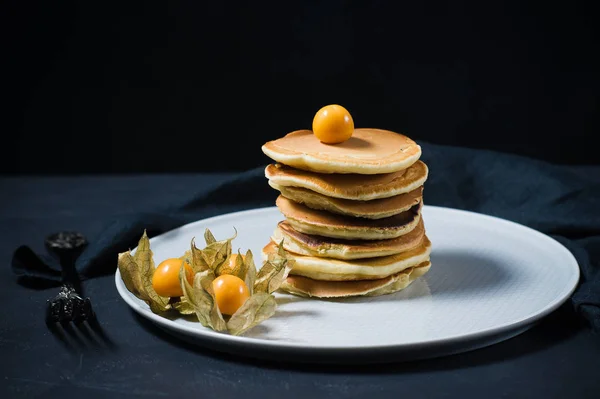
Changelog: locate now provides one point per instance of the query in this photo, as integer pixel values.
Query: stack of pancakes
(352, 212)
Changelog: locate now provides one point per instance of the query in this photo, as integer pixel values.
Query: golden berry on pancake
(333, 124)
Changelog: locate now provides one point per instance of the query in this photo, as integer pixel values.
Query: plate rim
(199, 332)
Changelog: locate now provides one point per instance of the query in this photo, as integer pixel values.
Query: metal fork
(70, 306)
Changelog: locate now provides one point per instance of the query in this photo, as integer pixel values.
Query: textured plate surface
(490, 280)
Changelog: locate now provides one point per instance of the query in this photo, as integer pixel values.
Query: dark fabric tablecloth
(559, 358)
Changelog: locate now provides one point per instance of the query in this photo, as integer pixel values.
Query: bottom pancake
(307, 287)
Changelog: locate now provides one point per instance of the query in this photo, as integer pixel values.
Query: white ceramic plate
(490, 280)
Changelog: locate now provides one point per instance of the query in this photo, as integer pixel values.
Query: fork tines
(68, 310)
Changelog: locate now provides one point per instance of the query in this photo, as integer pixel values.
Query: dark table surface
(558, 358)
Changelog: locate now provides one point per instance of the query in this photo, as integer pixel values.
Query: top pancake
(368, 151)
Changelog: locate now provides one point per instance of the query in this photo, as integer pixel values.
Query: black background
(192, 86)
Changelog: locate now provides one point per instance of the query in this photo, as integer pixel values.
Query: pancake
(314, 222)
(351, 186)
(358, 269)
(307, 287)
(374, 209)
(304, 244)
(368, 151)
